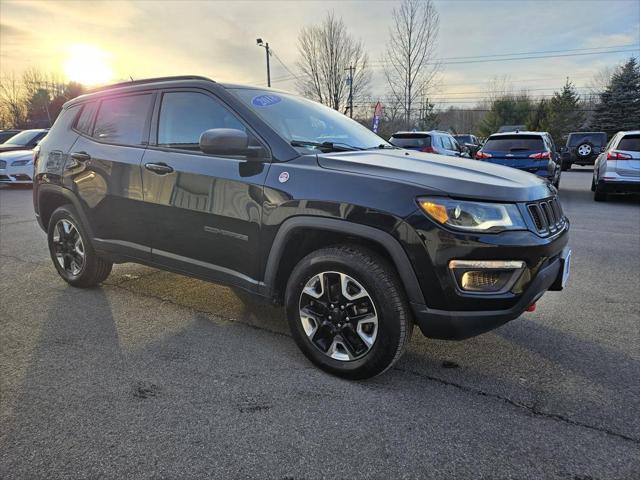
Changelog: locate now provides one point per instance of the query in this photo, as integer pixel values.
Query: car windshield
(410, 140)
(299, 121)
(596, 139)
(630, 143)
(513, 143)
(22, 138)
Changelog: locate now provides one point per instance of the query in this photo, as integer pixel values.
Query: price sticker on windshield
(265, 100)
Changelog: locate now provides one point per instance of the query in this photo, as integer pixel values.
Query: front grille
(547, 216)
(3, 164)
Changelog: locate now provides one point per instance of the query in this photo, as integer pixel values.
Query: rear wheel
(566, 166)
(71, 252)
(347, 311)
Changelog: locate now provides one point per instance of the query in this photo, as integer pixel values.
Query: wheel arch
(326, 232)
(51, 197)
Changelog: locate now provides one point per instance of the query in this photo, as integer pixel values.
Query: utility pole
(351, 69)
(260, 43)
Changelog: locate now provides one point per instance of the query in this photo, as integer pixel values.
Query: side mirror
(228, 141)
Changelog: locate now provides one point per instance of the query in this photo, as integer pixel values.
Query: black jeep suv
(296, 203)
(583, 148)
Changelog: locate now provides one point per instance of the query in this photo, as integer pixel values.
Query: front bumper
(16, 175)
(458, 325)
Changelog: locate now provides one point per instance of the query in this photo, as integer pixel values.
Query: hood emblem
(283, 177)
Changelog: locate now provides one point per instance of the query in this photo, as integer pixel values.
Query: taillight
(481, 155)
(541, 155)
(428, 150)
(613, 155)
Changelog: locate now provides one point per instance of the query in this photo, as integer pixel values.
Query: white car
(617, 169)
(16, 167)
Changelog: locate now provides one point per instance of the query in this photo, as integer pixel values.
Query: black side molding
(384, 239)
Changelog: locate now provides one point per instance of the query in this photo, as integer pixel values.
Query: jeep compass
(288, 199)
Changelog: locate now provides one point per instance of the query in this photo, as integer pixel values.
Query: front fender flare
(384, 239)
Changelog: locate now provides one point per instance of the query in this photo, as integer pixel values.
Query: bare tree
(409, 60)
(326, 53)
(12, 101)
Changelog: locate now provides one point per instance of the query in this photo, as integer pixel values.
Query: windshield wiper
(335, 146)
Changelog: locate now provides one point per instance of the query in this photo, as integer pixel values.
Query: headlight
(473, 216)
(21, 163)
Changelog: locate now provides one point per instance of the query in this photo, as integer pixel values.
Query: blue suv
(533, 152)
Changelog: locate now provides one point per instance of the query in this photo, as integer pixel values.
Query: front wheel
(347, 311)
(73, 255)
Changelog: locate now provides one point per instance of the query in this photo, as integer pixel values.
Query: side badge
(283, 177)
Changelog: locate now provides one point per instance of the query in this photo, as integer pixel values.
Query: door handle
(81, 156)
(159, 168)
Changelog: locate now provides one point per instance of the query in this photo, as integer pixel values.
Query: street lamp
(260, 43)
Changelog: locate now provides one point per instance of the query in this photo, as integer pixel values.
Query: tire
(359, 271)
(599, 195)
(557, 183)
(593, 184)
(565, 166)
(82, 270)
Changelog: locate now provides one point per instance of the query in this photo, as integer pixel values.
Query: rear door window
(630, 143)
(514, 143)
(410, 141)
(123, 120)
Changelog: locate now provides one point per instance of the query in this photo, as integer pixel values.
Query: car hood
(453, 176)
(16, 155)
(7, 147)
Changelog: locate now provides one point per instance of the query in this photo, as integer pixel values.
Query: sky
(106, 41)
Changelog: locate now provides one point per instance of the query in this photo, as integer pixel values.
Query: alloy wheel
(338, 316)
(584, 150)
(68, 247)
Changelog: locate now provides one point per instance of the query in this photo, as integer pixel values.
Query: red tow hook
(531, 308)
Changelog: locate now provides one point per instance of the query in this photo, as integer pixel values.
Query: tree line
(34, 99)
(334, 68)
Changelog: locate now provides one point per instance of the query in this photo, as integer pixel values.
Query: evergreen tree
(564, 114)
(619, 106)
(539, 117)
(506, 110)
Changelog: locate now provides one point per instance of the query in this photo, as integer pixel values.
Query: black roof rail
(148, 80)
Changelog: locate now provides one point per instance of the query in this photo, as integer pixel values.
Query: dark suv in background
(300, 205)
(583, 148)
(433, 141)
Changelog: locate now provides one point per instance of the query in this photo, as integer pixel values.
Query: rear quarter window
(510, 143)
(630, 143)
(85, 120)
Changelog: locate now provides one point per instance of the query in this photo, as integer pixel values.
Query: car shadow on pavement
(76, 359)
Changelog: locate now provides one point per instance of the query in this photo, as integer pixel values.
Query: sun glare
(88, 65)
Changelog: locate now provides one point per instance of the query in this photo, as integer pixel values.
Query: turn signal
(435, 211)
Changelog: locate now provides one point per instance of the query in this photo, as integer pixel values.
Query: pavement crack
(22, 260)
(170, 301)
(532, 409)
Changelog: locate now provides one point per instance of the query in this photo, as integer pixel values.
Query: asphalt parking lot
(155, 375)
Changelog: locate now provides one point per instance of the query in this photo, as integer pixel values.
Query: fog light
(485, 276)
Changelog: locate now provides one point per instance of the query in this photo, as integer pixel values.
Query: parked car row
(616, 164)
(16, 156)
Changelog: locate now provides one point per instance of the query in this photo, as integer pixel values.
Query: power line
(382, 64)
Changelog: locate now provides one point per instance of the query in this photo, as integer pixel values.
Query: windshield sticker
(266, 100)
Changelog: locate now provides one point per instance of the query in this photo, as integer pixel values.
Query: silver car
(617, 169)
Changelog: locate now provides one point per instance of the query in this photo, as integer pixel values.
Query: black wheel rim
(68, 247)
(338, 316)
